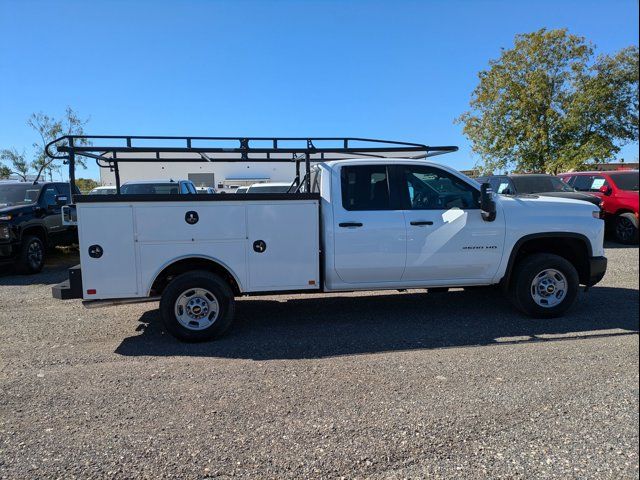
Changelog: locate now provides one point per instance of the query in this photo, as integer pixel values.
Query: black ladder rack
(109, 150)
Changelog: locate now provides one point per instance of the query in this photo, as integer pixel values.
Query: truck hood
(546, 205)
(574, 195)
(15, 210)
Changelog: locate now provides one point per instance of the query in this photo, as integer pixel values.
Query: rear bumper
(597, 269)
(71, 288)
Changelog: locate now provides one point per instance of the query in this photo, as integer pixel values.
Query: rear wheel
(32, 255)
(626, 228)
(544, 285)
(197, 306)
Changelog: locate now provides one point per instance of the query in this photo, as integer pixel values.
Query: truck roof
(164, 180)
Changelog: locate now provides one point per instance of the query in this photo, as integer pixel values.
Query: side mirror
(605, 189)
(487, 203)
(62, 199)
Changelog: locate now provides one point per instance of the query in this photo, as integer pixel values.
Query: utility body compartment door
(107, 251)
(283, 246)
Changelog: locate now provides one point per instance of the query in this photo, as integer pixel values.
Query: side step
(71, 288)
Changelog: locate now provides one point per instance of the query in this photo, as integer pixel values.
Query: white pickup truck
(366, 223)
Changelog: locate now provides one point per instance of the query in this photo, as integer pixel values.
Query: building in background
(223, 176)
(622, 165)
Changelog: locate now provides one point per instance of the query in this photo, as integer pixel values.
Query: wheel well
(623, 210)
(38, 231)
(189, 264)
(573, 249)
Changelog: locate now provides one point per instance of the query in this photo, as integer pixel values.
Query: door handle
(420, 223)
(350, 224)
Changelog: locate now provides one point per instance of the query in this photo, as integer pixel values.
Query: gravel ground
(375, 385)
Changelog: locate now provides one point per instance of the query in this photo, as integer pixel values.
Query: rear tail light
(91, 291)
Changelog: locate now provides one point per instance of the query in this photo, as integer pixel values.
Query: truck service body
(350, 224)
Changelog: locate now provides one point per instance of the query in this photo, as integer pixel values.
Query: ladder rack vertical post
(72, 167)
(307, 165)
(116, 171)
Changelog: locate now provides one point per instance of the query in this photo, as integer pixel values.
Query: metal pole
(72, 168)
(307, 164)
(116, 170)
(297, 173)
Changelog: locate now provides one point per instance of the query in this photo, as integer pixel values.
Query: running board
(118, 301)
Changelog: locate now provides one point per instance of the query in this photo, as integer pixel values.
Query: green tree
(49, 129)
(548, 105)
(4, 171)
(18, 164)
(86, 184)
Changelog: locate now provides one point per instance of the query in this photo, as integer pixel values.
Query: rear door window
(365, 187)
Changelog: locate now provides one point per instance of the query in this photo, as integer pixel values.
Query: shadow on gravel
(323, 326)
(54, 271)
(611, 244)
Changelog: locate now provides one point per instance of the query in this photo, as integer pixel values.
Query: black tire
(193, 281)
(32, 255)
(531, 268)
(625, 228)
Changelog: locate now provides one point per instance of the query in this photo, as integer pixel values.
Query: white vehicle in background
(158, 187)
(274, 187)
(206, 190)
(241, 190)
(103, 191)
(376, 215)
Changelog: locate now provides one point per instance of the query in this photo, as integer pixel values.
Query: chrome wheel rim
(197, 309)
(624, 229)
(549, 288)
(34, 254)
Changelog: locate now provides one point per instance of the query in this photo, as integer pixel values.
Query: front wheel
(626, 228)
(544, 285)
(197, 306)
(32, 255)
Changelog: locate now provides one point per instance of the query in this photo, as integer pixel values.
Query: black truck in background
(31, 223)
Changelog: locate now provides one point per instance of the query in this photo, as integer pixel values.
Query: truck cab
(412, 224)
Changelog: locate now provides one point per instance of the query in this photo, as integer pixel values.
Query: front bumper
(8, 252)
(597, 269)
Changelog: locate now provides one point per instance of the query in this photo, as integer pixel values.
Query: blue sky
(399, 70)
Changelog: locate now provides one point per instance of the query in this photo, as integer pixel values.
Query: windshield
(626, 180)
(539, 184)
(18, 194)
(150, 188)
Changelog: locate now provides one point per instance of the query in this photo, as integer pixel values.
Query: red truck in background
(619, 193)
